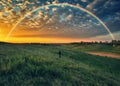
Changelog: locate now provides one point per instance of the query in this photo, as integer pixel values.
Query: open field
(40, 65)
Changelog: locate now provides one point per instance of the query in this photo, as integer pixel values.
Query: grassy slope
(95, 47)
(35, 65)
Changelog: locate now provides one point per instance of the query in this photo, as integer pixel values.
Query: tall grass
(40, 65)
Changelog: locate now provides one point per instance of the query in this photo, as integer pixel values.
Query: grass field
(39, 65)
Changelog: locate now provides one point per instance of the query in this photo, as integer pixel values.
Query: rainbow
(60, 4)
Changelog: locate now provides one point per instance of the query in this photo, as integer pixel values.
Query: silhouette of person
(60, 54)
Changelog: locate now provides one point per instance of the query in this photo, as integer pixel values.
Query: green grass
(95, 47)
(39, 65)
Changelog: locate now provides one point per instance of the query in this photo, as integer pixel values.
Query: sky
(59, 21)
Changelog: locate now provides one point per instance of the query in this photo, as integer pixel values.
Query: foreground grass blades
(40, 65)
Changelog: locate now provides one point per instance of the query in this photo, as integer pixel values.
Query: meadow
(40, 65)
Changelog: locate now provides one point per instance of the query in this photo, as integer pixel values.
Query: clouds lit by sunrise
(56, 21)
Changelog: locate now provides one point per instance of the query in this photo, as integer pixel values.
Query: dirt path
(105, 54)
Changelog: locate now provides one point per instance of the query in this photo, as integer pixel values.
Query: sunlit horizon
(51, 22)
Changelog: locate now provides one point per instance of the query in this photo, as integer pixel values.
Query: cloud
(107, 37)
(69, 17)
(108, 11)
(48, 3)
(92, 5)
(54, 9)
(84, 0)
(55, 2)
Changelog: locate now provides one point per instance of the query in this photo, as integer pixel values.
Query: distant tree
(100, 42)
(114, 43)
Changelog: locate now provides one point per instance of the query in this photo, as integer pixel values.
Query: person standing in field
(60, 54)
